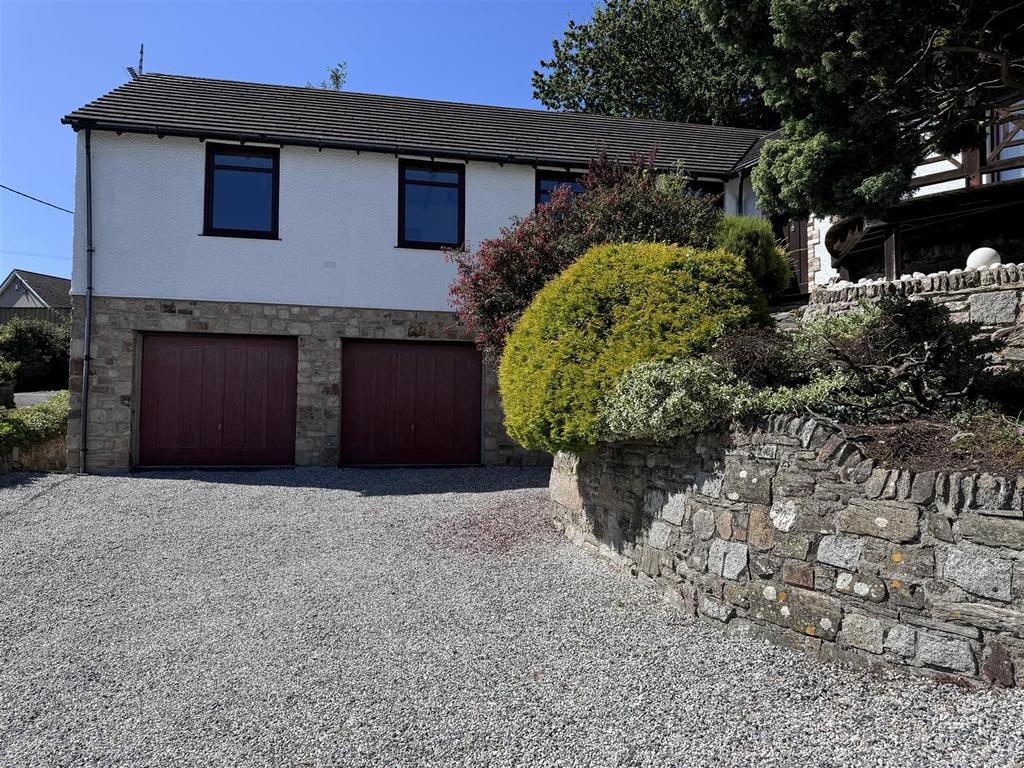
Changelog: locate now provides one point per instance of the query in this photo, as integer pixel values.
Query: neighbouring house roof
(174, 105)
(53, 291)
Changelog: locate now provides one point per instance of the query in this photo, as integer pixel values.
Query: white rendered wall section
(338, 228)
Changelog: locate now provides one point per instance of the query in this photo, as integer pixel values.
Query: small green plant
(618, 306)
(8, 369)
(753, 240)
(818, 394)
(22, 427)
(665, 400)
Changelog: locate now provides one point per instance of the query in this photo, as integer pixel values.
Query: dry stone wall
(785, 525)
(993, 297)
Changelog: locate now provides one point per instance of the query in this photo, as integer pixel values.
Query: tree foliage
(620, 203)
(867, 89)
(650, 59)
(336, 77)
(41, 349)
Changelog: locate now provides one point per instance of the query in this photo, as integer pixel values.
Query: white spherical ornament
(982, 257)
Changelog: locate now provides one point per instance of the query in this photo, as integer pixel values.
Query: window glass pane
(432, 214)
(426, 174)
(1010, 132)
(548, 185)
(242, 200)
(243, 161)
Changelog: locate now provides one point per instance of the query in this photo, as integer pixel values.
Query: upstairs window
(431, 204)
(241, 191)
(549, 181)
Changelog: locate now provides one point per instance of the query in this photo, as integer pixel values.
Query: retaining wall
(993, 297)
(48, 456)
(785, 525)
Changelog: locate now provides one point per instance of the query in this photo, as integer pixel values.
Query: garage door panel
(233, 406)
(212, 402)
(255, 398)
(280, 427)
(410, 403)
(217, 400)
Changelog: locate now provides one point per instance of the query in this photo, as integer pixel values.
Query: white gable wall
(338, 228)
(732, 197)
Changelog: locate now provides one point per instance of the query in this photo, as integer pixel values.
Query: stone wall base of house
(118, 326)
(783, 526)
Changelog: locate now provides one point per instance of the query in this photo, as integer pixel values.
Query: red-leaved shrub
(621, 203)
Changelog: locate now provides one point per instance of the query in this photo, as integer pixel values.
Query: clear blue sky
(57, 56)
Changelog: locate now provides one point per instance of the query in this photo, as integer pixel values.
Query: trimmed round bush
(618, 306)
(753, 240)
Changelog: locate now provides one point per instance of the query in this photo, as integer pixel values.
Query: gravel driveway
(402, 618)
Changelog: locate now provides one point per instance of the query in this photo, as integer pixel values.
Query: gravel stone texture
(402, 618)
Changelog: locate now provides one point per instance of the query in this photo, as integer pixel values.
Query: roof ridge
(20, 271)
(419, 100)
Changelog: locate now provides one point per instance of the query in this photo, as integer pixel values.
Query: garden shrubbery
(888, 362)
(620, 204)
(22, 427)
(661, 401)
(753, 240)
(618, 306)
(41, 349)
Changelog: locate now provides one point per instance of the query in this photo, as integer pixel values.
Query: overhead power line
(9, 189)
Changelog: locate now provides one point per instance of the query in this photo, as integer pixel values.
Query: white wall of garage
(338, 228)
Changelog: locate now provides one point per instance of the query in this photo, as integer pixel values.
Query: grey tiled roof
(192, 106)
(753, 154)
(55, 291)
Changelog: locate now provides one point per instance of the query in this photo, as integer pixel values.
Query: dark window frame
(274, 153)
(460, 169)
(542, 174)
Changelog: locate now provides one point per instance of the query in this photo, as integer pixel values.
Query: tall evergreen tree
(651, 59)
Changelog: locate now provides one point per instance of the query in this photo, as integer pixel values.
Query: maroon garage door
(217, 400)
(410, 403)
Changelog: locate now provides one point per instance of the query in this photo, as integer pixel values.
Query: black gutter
(387, 149)
(87, 320)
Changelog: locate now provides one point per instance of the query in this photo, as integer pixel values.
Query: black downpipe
(87, 320)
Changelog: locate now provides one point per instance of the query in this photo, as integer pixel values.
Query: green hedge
(618, 306)
(22, 427)
(753, 240)
(41, 349)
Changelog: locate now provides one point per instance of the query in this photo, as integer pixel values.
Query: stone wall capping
(831, 554)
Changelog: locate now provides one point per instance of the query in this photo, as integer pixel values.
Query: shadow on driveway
(384, 481)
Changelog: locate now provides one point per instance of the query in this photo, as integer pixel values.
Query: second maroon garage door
(410, 403)
(217, 400)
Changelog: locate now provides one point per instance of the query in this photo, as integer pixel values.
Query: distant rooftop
(175, 105)
(54, 291)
